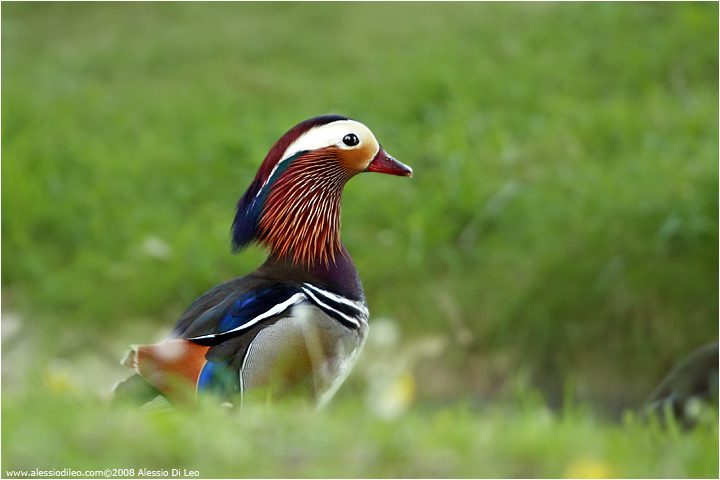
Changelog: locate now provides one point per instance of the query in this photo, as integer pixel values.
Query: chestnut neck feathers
(293, 205)
(301, 212)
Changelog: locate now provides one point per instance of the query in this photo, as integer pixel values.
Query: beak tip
(406, 171)
(384, 163)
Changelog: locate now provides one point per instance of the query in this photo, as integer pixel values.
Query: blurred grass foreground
(554, 256)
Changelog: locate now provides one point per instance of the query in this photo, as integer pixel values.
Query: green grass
(561, 225)
(62, 419)
(517, 439)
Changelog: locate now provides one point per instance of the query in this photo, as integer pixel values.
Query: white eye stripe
(324, 136)
(330, 134)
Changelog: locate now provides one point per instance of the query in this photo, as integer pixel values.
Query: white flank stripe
(280, 307)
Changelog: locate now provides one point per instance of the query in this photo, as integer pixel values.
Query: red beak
(384, 163)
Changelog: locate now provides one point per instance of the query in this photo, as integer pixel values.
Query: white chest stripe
(315, 295)
(279, 308)
(325, 305)
(360, 307)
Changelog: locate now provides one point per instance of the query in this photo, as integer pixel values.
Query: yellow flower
(59, 379)
(587, 468)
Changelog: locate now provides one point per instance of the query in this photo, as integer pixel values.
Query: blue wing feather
(225, 311)
(216, 377)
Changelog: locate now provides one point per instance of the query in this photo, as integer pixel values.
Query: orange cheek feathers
(357, 159)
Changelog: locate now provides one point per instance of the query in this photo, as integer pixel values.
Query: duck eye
(350, 140)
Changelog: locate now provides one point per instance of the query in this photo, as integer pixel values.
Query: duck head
(292, 207)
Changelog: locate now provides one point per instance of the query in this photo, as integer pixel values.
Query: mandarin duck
(298, 322)
(689, 390)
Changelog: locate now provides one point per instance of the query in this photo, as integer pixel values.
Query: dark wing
(230, 308)
(207, 346)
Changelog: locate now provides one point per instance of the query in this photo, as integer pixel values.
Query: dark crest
(250, 205)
